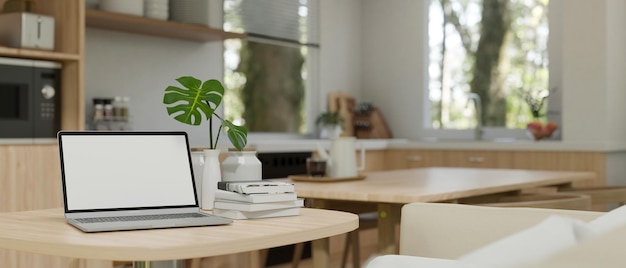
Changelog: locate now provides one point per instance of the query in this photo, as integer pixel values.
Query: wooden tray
(324, 179)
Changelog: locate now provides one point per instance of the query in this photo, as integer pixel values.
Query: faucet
(478, 130)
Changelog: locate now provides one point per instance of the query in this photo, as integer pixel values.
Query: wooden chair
(602, 197)
(571, 201)
(367, 220)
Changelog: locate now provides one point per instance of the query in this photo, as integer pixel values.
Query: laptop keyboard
(142, 218)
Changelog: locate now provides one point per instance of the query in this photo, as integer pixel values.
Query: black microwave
(29, 99)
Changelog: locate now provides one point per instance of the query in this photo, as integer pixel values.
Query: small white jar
(241, 166)
(129, 7)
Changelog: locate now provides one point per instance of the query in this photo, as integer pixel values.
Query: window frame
(312, 86)
(555, 18)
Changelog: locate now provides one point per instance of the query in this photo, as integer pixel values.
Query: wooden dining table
(389, 190)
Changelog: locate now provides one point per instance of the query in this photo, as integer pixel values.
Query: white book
(254, 198)
(244, 206)
(243, 215)
(256, 187)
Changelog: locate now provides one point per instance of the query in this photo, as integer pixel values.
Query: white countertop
(381, 144)
(309, 145)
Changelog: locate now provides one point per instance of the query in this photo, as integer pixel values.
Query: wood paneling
(534, 160)
(401, 159)
(374, 160)
(478, 159)
(569, 161)
(30, 177)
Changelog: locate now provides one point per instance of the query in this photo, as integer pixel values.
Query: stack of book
(256, 199)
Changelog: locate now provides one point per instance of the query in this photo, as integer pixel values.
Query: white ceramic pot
(330, 131)
(130, 7)
(242, 166)
(197, 162)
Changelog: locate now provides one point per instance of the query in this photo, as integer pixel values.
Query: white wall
(375, 50)
(340, 49)
(616, 75)
(394, 45)
(142, 66)
(593, 66)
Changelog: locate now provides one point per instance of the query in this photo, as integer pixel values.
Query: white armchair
(448, 235)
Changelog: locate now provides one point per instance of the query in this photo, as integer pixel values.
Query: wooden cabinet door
(479, 159)
(401, 159)
(566, 161)
(374, 160)
(30, 177)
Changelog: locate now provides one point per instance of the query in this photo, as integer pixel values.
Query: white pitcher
(342, 160)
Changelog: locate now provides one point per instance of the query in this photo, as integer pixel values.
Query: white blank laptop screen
(126, 171)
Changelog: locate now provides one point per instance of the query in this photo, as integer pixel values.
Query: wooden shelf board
(37, 54)
(140, 25)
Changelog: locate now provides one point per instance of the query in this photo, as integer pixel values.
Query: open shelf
(37, 54)
(170, 29)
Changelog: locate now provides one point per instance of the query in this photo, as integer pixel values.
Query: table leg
(388, 218)
(321, 253)
(141, 264)
(74, 263)
(255, 259)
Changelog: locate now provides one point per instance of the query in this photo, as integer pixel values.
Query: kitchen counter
(308, 145)
(382, 144)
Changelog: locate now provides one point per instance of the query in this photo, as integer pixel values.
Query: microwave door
(15, 102)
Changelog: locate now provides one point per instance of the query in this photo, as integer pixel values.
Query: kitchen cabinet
(30, 174)
(68, 50)
(535, 160)
(401, 159)
(478, 159)
(30, 178)
(567, 161)
(374, 160)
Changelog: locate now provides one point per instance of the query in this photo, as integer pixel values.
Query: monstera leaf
(189, 104)
(237, 135)
(197, 98)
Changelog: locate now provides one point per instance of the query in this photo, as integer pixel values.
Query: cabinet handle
(476, 159)
(415, 158)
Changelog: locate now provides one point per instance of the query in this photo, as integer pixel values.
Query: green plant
(535, 100)
(189, 104)
(329, 118)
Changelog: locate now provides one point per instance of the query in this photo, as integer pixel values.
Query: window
(497, 50)
(270, 75)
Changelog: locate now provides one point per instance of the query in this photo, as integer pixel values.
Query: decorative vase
(211, 174)
(242, 166)
(197, 162)
(330, 131)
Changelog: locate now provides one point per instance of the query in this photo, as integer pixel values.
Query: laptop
(116, 181)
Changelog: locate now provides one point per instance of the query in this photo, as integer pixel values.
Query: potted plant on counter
(330, 124)
(536, 129)
(193, 103)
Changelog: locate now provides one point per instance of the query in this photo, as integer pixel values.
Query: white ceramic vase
(330, 131)
(211, 174)
(197, 162)
(241, 166)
